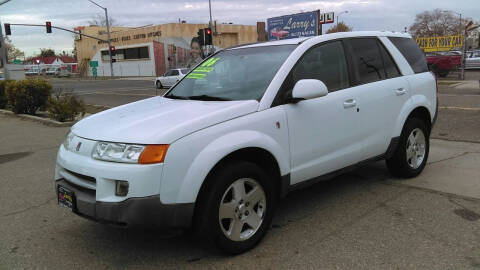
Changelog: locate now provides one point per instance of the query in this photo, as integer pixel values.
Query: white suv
(245, 127)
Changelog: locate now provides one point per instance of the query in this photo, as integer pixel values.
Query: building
(150, 50)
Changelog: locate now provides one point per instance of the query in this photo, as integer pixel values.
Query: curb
(44, 121)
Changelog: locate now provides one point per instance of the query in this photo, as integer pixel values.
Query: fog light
(121, 188)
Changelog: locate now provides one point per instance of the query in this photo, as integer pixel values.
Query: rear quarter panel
(423, 93)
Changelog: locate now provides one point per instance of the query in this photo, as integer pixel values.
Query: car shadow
(125, 248)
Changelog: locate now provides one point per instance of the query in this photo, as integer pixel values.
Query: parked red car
(441, 63)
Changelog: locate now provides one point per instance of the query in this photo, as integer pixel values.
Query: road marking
(458, 108)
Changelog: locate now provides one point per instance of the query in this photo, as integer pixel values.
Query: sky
(393, 15)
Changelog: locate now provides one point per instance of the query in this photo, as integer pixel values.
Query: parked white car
(170, 77)
(245, 127)
(472, 60)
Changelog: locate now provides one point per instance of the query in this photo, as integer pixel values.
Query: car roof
(325, 37)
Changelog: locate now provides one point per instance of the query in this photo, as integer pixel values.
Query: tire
(443, 73)
(159, 85)
(408, 160)
(256, 207)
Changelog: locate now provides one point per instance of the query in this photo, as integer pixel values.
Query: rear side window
(326, 63)
(391, 69)
(411, 52)
(174, 73)
(368, 61)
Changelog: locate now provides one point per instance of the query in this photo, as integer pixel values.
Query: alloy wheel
(242, 209)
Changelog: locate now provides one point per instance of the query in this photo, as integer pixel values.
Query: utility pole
(108, 35)
(3, 49)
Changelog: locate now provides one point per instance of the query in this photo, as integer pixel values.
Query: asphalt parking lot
(361, 220)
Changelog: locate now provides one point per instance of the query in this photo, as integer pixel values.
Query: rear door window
(174, 73)
(411, 52)
(391, 69)
(368, 61)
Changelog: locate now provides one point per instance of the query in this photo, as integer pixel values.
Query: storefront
(151, 50)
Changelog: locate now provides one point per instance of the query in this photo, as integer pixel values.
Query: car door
(166, 78)
(323, 132)
(175, 76)
(381, 93)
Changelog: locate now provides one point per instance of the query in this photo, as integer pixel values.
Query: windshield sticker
(202, 70)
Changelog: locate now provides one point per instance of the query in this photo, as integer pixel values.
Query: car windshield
(237, 74)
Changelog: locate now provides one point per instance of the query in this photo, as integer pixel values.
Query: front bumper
(133, 212)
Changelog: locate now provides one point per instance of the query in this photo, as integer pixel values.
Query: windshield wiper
(175, 97)
(208, 98)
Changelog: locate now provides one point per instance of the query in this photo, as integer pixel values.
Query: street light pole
(346, 11)
(108, 35)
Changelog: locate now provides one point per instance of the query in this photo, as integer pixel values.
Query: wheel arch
(418, 106)
(257, 155)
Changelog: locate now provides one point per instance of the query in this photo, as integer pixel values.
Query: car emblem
(78, 146)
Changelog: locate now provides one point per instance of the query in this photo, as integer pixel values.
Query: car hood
(159, 120)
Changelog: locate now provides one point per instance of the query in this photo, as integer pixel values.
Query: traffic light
(201, 36)
(208, 36)
(49, 27)
(113, 52)
(8, 32)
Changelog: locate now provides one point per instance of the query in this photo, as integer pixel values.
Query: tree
(99, 20)
(437, 23)
(340, 27)
(46, 52)
(12, 51)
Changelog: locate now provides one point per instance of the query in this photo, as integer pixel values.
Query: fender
(413, 102)
(212, 153)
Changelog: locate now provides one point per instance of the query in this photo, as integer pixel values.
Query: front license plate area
(66, 197)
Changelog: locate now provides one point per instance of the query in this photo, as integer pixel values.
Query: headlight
(130, 153)
(68, 141)
(117, 152)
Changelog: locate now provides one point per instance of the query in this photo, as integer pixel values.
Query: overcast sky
(363, 14)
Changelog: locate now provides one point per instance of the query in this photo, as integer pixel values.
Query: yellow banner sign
(444, 43)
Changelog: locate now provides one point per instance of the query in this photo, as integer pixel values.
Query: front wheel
(237, 207)
(159, 85)
(411, 154)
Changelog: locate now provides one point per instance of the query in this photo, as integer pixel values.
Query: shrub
(65, 107)
(3, 97)
(27, 96)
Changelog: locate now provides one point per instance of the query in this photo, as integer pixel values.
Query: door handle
(349, 103)
(400, 91)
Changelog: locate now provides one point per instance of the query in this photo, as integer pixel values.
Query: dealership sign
(443, 43)
(293, 26)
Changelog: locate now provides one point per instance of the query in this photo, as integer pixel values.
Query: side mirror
(308, 89)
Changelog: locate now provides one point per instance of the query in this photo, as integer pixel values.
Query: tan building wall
(227, 35)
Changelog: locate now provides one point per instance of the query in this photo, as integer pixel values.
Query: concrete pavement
(361, 220)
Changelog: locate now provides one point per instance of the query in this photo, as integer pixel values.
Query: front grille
(83, 177)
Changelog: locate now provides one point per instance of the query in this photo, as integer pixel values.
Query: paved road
(362, 220)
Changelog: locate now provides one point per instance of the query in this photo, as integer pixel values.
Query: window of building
(128, 54)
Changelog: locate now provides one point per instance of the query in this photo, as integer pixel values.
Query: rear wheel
(411, 154)
(237, 207)
(159, 85)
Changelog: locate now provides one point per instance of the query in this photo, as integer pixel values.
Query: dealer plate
(66, 197)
